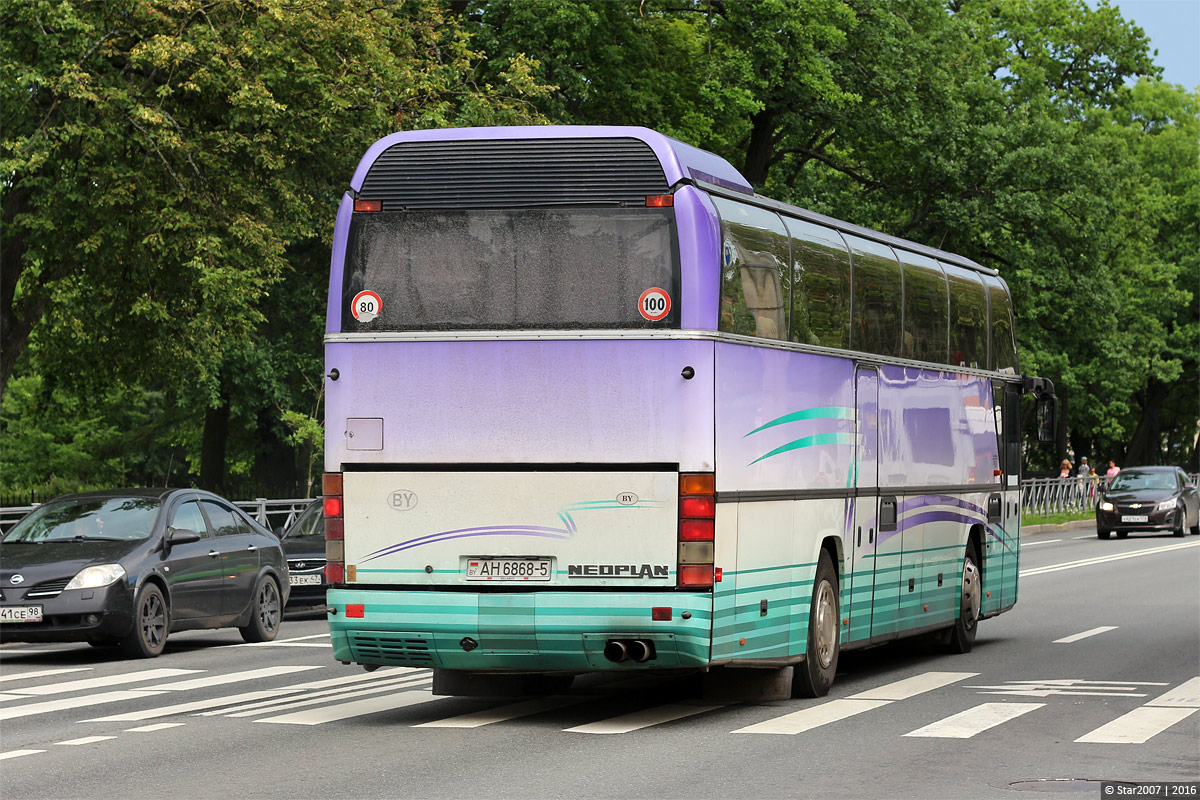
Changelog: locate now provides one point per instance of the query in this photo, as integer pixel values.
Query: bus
(594, 405)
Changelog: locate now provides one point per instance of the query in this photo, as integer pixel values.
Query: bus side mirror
(1047, 417)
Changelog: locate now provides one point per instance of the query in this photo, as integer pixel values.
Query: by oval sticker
(365, 306)
(654, 304)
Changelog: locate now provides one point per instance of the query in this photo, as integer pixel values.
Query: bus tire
(962, 635)
(813, 676)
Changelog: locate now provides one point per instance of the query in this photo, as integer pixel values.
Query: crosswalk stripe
(378, 674)
(330, 695)
(910, 687)
(158, 726)
(966, 724)
(42, 673)
(1093, 632)
(1185, 695)
(814, 717)
(197, 705)
(86, 740)
(19, 753)
(232, 677)
(526, 708)
(29, 709)
(95, 683)
(372, 705)
(4, 698)
(643, 719)
(1138, 726)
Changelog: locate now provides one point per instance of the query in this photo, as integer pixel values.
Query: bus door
(866, 614)
(1004, 509)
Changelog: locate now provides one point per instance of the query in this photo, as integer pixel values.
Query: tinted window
(968, 318)
(875, 327)
(755, 271)
(523, 268)
(821, 285)
(1004, 346)
(925, 309)
(223, 520)
(188, 517)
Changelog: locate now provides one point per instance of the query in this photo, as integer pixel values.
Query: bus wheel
(962, 635)
(813, 676)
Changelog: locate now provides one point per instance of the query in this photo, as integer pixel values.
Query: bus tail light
(335, 527)
(697, 512)
(660, 200)
(368, 205)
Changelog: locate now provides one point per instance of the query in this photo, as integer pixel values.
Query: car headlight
(1106, 506)
(1167, 505)
(97, 576)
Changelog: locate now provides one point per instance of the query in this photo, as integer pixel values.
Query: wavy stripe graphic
(809, 441)
(821, 412)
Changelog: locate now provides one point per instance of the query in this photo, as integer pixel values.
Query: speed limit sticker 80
(365, 306)
(654, 304)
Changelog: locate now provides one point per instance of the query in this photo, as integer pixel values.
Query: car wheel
(814, 675)
(267, 614)
(1179, 521)
(150, 618)
(1195, 530)
(1103, 534)
(1122, 534)
(962, 635)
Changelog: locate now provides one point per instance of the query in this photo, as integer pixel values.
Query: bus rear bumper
(519, 632)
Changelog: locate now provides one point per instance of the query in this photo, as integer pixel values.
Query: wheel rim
(153, 621)
(268, 606)
(826, 624)
(970, 593)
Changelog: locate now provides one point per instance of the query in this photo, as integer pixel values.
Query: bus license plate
(508, 569)
(304, 580)
(20, 613)
(1135, 518)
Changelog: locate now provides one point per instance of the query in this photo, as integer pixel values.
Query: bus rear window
(511, 269)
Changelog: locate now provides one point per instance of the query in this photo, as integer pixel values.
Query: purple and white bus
(595, 405)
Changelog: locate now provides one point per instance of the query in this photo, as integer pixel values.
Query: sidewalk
(1027, 529)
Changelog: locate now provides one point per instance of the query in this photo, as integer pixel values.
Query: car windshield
(1130, 481)
(88, 519)
(308, 524)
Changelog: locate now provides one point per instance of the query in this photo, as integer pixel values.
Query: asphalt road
(1095, 675)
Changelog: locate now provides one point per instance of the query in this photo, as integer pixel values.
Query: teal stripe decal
(823, 412)
(809, 441)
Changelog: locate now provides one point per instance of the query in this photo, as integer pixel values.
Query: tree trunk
(1143, 447)
(760, 148)
(212, 445)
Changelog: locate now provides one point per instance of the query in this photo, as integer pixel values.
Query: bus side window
(877, 298)
(926, 307)
(968, 318)
(756, 280)
(821, 285)
(1004, 347)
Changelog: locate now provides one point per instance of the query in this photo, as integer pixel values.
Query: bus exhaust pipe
(641, 650)
(616, 651)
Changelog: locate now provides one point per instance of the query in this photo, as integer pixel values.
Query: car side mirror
(278, 533)
(1047, 417)
(182, 536)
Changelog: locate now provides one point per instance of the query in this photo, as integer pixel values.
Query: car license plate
(304, 580)
(508, 569)
(20, 613)
(1135, 518)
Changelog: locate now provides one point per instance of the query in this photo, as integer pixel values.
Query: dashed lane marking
(1093, 632)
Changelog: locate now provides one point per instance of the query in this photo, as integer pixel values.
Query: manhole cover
(1063, 785)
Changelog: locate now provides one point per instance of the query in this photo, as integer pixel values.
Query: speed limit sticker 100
(365, 306)
(654, 304)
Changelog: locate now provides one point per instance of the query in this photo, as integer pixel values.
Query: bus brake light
(660, 200)
(368, 205)
(696, 576)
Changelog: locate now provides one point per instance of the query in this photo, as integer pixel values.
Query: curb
(1063, 526)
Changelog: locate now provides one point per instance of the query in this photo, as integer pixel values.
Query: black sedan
(1148, 499)
(128, 567)
(304, 543)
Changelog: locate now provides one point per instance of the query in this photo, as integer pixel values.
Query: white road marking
(1138, 726)
(643, 719)
(29, 709)
(319, 716)
(292, 641)
(184, 708)
(4, 698)
(158, 726)
(504, 713)
(378, 674)
(1089, 536)
(323, 697)
(975, 720)
(814, 717)
(86, 740)
(95, 683)
(326, 645)
(1045, 541)
(19, 753)
(42, 673)
(910, 687)
(1087, 562)
(1185, 695)
(1077, 636)
(232, 677)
